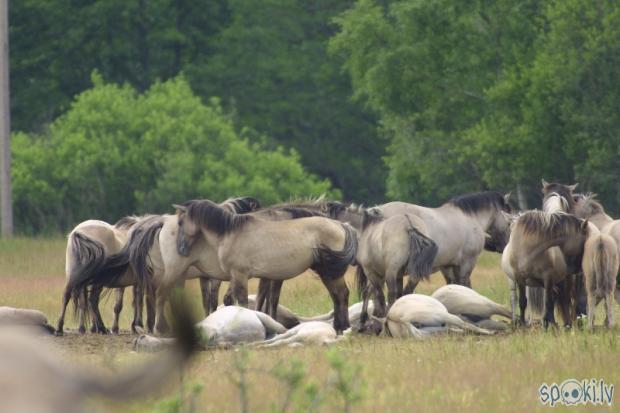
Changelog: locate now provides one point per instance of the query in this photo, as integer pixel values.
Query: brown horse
(247, 246)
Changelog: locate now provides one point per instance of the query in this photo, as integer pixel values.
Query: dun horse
(530, 259)
(461, 228)
(247, 246)
(600, 259)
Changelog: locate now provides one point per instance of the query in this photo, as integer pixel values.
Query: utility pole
(6, 204)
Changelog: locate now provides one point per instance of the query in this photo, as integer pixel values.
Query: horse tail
(139, 246)
(600, 265)
(361, 280)
(535, 300)
(333, 264)
(422, 253)
(87, 257)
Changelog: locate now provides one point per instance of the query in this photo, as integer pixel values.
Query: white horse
(10, 316)
(417, 315)
(236, 325)
(308, 333)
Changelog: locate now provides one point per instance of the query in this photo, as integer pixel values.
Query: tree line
(417, 100)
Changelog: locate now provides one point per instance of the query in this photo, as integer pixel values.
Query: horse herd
(565, 254)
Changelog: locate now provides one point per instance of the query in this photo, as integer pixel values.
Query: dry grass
(449, 373)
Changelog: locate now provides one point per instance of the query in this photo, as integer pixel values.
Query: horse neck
(483, 218)
(354, 218)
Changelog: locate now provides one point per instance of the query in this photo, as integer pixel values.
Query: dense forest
(126, 106)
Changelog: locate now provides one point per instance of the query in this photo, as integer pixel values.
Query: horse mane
(216, 218)
(559, 190)
(331, 209)
(298, 212)
(131, 220)
(479, 201)
(547, 225)
(588, 204)
(241, 205)
(372, 216)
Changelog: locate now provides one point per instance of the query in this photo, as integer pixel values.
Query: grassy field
(449, 373)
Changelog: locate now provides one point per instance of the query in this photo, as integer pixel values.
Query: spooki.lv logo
(573, 392)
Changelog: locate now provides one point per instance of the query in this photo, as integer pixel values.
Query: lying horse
(10, 316)
(308, 333)
(235, 325)
(417, 315)
(247, 246)
(471, 305)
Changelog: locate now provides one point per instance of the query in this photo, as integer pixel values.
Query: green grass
(449, 373)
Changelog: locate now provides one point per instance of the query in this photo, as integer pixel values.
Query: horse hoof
(82, 330)
(115, 330)
(59, 333)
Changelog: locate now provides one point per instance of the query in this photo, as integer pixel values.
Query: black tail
(423, 251)
(361, 281)
(88, 258)
(140, 243)
(333, 264)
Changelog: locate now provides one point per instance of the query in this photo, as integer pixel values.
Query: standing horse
(530, 259)
(461, 228)
(389, 248)
(88, 246)
(600, 259)
(247, 246)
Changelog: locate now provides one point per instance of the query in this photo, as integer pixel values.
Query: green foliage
(117, 152)
(489, 93)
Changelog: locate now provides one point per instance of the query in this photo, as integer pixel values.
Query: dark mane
(126, 222)
(214, 217)
(242, 205)
(561, 190)
(479, 201)
(371, 216)
(554, 225)
(298, 212)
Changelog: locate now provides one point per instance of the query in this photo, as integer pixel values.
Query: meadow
(447, 373)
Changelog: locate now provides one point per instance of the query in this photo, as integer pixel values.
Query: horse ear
(180, 208)
(507, 197)
(545, 184)
(584, 225)
(573, 186)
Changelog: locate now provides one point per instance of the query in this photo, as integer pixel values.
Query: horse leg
(150, 309)
(205, 289)
(448, 275)
(609, 309)
(513, 302)
(214, 295)
(463, 273)
(82, 303)
(93, 300)
(161, 325)
(549, 305)
(118, 307)
(339, 294)
(592, 309)
(264, 285)
(564, 288)
(138, 303)
(410, 287)
(228, 297)
(66, 296)
(522, 303)
(239, 286)
(392, 280)
(274, 297)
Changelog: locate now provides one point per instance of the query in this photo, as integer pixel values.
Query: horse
(235, 325)
(88, 246)
(10, 316)
(308, 333)
(469, 304)
(418, 315)
(530, 259)
(600, 258)
(247, 246)
(389, 248)
(461, 228)
(27, 363)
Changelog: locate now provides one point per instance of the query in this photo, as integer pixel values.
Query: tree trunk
(6, 204)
